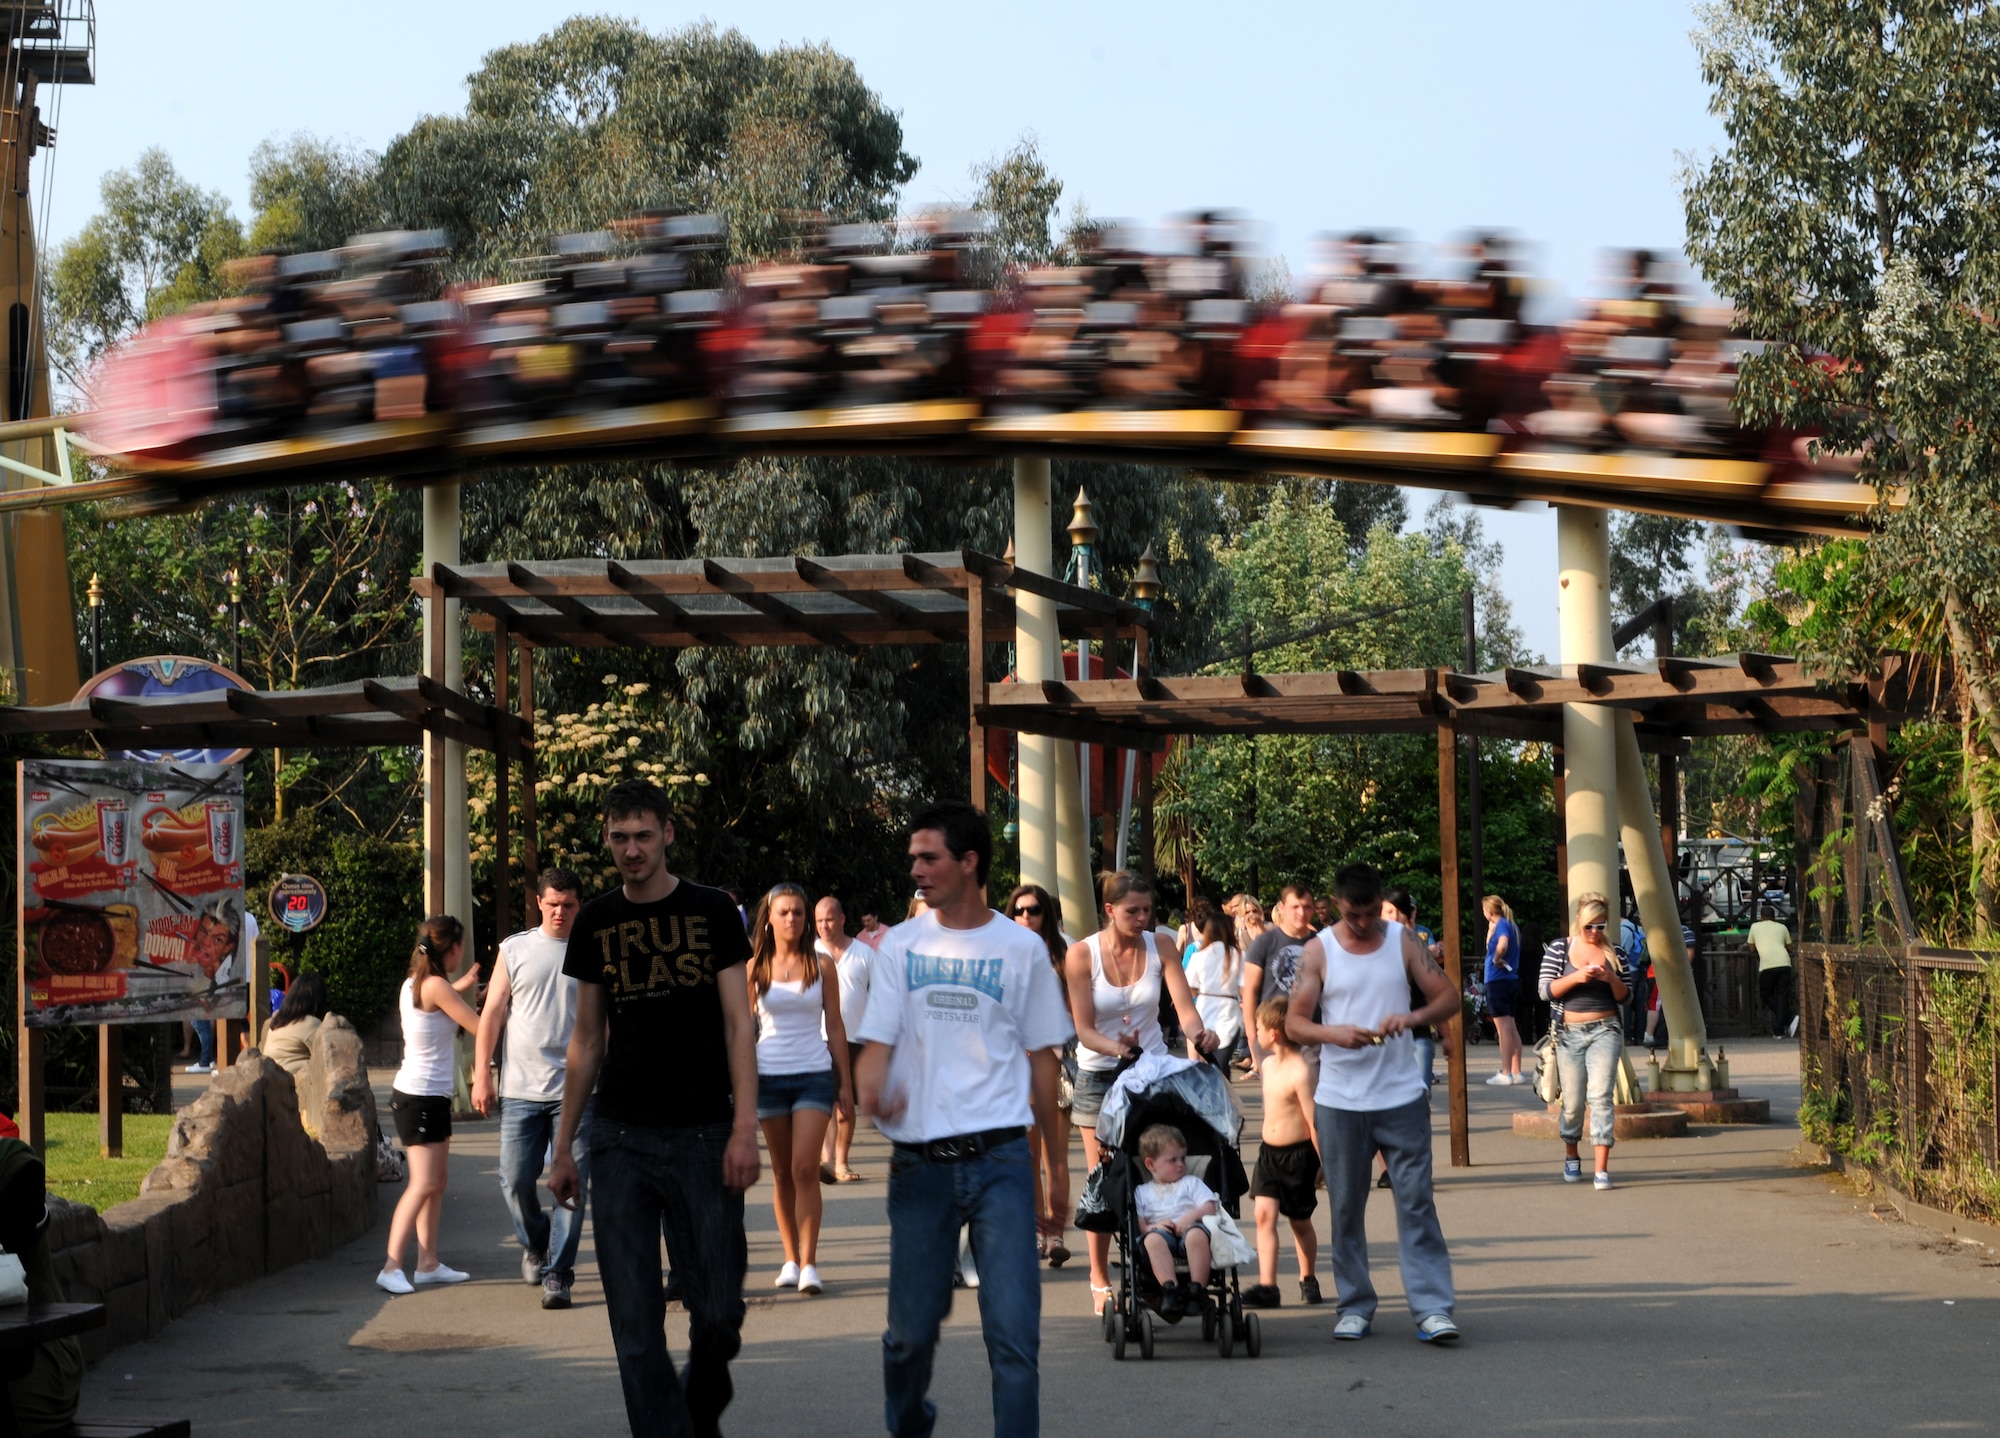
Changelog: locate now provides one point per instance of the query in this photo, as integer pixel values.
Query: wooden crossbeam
(818, 631)
(648, 592)
(832, 581)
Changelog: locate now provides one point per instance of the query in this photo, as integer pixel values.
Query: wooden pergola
(846, 602)
(1670, 699)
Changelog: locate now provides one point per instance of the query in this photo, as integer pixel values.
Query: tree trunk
(1985, 840)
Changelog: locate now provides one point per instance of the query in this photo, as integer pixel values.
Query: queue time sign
(298, 903)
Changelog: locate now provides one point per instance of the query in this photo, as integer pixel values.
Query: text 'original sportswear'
(1363, 990)
(963, 1009)
(660, 964)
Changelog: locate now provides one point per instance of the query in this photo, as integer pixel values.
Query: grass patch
(78, 1174)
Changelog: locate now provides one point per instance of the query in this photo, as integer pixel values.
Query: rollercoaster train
(636, 341)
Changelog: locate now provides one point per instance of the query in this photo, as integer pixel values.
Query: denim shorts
(782, 1094)
(1087, 1095)
(1176, 1242)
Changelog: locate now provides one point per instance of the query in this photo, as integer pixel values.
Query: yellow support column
(1037, 655)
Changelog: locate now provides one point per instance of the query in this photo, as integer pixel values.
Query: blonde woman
(1116, 978)
(433, 1012)
(802, 1072)
(1503, 985)
(1583, 975)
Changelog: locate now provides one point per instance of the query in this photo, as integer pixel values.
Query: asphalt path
(1720, 1286)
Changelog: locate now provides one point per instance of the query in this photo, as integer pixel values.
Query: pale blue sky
(1558, 118)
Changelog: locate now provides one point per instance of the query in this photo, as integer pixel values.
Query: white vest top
(1364, 989)
(1132, 1009)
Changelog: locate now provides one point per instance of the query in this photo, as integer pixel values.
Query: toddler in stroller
(1167, 1188)
(1171, 1206)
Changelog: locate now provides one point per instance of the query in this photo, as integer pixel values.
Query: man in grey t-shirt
(1272, 962)
(535, 1002)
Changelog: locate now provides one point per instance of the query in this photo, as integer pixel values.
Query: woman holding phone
(1582, 975)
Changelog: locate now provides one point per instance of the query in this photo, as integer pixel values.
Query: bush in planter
(374, 902)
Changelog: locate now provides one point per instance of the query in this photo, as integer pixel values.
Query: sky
(1564, 120)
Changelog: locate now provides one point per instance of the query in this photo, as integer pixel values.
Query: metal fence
(1899, 1057)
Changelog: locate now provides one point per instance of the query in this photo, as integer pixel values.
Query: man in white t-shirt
(1352, 996)
(535, 1003)
(849, 959)
(965, 1024)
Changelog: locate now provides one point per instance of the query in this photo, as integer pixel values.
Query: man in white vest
(1352, 997)
(536, 1004)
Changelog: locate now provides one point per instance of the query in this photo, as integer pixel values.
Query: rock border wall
(261, 1173)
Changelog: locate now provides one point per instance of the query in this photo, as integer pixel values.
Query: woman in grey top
(1582, 974)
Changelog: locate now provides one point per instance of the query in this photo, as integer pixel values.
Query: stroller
(1194, 1098)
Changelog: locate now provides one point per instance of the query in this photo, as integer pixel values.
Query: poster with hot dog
(132, 891)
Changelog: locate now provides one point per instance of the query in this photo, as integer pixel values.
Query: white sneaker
(1517, 1079)
(1794, 1032)
(788, 1276)
(1498, 1081)
(200, 1068)
(809, 1279)
(391, 1280)
(443, 1273)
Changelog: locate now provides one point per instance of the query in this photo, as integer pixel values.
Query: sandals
(848, 1175)
(826, 1174)
(1099, 1297)
(1056, 1254)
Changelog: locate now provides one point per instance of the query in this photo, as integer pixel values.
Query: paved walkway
(1718, 1288)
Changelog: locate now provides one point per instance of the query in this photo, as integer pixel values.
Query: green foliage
(157, 246)
(1260, 812)
(311, 194)
(600, 118)
(374, 894)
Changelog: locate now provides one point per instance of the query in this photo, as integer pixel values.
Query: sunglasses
(1030, 911)
(1595, 928)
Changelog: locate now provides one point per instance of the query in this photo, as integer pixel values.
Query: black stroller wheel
(1118, 1330)
(1110, 1319)
(1225, 1335)
(1146, 1336)
(1253, 1335)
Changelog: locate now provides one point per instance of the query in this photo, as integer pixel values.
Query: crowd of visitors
(643, 1039)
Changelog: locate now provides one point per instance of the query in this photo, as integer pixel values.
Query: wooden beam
(502, 795)
(531, 858)
(1447, 768)
(818, 631)
(434, 859)
(897, 611)
(975, 667)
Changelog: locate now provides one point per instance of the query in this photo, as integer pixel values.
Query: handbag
(13, 1281)
(1548, 1078)
(1227, 1247)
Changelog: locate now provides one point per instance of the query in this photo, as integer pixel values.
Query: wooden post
(1475, 827)
(110, 1091)
(975, 680)
(32, 1106)
(260, 990)
(1562, 836)
(531, 858)
(1670, 764)
(434, 860)
(1454, 968)
(502, 848)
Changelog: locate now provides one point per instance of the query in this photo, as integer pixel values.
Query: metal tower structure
(48, 44)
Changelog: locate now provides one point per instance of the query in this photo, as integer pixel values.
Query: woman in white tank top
(1114, 978)
(802, 1072)
(421, 1097)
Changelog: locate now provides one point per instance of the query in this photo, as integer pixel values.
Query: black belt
(962, 1146)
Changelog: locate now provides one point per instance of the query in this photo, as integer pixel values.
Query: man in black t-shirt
(660, 964)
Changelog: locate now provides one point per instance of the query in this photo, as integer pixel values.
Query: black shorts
(1501, 997)
(1289, 1173)
(420, 1119)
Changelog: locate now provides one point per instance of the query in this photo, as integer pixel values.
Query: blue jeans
(204, 1032)
(668, 1181)
(1427, 1056)
(527, 1128)
(1348, 1139)
(928, 1201)
(1587, 1063)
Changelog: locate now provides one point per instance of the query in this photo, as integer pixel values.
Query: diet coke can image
(222, 832)
(111, 830)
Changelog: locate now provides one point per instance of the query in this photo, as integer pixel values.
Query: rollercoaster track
(336, 366)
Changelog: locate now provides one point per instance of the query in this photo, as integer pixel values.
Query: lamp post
(96, 624)
(235, 620)
(1082, 546)
(1145, 589)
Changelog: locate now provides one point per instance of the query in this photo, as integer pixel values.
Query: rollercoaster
(635, 341)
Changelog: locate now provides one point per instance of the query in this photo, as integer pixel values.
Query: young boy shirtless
(1288, 1165)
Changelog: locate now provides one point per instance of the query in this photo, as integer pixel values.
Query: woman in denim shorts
(802, 1072)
